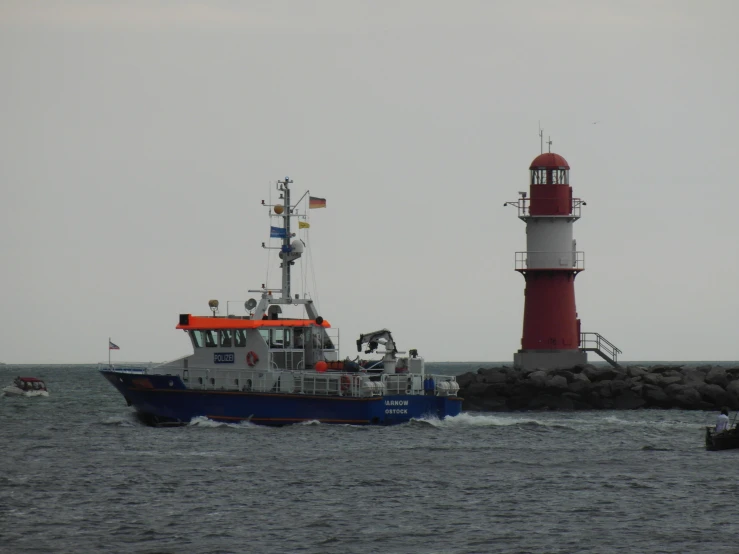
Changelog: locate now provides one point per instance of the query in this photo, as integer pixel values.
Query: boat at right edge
(724, 440)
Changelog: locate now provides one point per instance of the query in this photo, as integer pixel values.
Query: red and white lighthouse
(551, 328)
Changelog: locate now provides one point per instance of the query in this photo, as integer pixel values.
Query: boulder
(557, 382)
(732, 373)
(496, 389)
(652, 379)
(686, 396)
(664, 368)
(655, 396)
(628, 400)
(474, 389)
(601, 388)
(564, 373)
(578, 402)
(693, 376)
(733, 388)
(618, 386)
(578, 386)
(493, 377)
(538, 379)
(466, 379)
(596, 374)
(717, 376)
(717, 396)
(670, 380)
(515, 403)
(551, 402)
(635, 371)
(485, 404)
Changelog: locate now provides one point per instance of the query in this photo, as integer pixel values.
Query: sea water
(78, 473)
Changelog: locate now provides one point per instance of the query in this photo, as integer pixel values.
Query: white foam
(467, 419)
(204, 422)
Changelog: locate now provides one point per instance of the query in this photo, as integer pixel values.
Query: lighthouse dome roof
(549, 160)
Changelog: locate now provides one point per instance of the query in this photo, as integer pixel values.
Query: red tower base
(549, 359)
(551, 329)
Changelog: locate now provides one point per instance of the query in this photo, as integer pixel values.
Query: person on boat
(722, 422)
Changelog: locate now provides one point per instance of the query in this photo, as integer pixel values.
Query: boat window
(197, 338)
(280, 338)
(275, 339)
(211, 340)
(225, 337)
(239, 337)
(298, 335)
(265, 335)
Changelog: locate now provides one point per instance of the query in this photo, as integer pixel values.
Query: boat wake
(118, 421)
(473, 419)
(206, 423)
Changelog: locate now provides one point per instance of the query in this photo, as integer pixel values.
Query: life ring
(346, 382)
(252, 359)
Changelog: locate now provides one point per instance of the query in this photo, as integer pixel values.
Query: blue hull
(164, 399)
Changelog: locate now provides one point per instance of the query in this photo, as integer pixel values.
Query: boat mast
(285, 187)
(289, 252)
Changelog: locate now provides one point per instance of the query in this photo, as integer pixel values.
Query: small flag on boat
(112, 346)
(315, 202)
(277, 232)
(303, 225)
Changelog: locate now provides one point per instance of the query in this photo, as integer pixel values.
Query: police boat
(266, 367)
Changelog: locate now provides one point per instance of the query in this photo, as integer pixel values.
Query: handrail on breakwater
(602, 346)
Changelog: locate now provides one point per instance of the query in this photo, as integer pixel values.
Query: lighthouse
(552, 338)
(551, 327)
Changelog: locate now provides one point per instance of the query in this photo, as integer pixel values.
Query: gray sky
(138, 139)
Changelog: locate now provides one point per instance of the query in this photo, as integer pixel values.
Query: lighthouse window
(225, 336)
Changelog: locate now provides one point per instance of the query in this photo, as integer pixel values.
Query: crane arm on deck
(376, 338)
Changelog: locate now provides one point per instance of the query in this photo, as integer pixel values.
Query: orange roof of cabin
(204, 323)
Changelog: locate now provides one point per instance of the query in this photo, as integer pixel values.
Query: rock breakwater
(589, 387)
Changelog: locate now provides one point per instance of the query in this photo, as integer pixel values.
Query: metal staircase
(594, 342)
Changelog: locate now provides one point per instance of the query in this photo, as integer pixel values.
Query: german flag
(315, 202)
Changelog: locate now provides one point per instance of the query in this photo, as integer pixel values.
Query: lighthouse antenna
(549, 142)
(541, 138)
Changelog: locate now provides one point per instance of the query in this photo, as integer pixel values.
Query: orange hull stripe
(204, 323)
